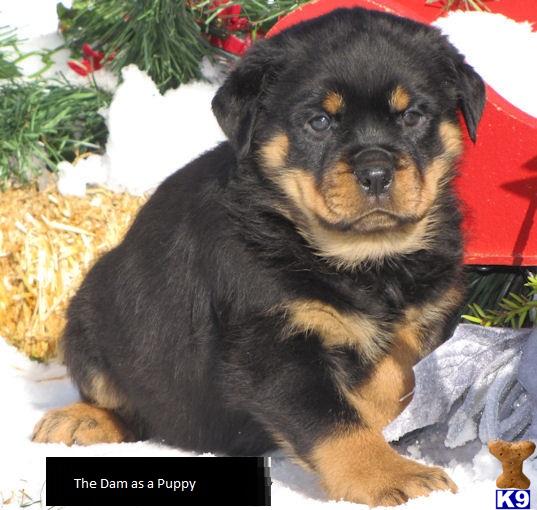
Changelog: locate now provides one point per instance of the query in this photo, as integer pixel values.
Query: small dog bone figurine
(512, 456)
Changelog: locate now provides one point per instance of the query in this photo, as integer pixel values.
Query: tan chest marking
(389, 388)
(334, 327)
(424, 323)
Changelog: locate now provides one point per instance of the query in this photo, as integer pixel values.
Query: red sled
(498, 175)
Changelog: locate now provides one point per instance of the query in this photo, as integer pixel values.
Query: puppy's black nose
(376, 179)
(374, 170)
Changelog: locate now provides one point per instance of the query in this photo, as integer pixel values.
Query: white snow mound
(150, 135)
(501, 50)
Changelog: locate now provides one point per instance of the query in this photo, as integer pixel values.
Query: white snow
(32, 18)
(72, 180)
(503, 51)
(30, 388)
(152, 135)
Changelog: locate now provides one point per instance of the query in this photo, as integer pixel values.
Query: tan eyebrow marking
(399, 99)
(333, 103)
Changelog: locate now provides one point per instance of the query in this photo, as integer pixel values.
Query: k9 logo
(512, 498)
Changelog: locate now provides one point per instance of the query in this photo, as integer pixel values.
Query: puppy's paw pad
(80, 424)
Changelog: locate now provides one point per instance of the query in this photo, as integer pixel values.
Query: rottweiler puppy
(278, 290)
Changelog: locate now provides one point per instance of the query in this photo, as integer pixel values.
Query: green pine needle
(165, 38)
(8, 41)
(42, 124)
(161, 37)
(261, 14)
(503, 297)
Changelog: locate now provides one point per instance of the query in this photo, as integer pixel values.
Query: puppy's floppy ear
(470, 96)
(236, 102)
(469, 86)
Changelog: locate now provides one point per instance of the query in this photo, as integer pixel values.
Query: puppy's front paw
(359, 466)
(407, 480)
(81, 424)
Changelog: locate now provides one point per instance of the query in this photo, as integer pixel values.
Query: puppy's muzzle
(374, 169)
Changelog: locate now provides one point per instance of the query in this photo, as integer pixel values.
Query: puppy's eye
(412, 118)
(320, 123)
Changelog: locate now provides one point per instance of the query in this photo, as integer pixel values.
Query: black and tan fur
(270, 294)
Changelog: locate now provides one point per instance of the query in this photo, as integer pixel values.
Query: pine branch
(505, 297)
(262, 14)
(165, 38)
(8, 41)
(162, 37)
(44, 123)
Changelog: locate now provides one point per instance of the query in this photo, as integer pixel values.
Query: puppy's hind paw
(81, 424)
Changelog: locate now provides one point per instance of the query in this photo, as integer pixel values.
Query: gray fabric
(482, 382)
(527, 377)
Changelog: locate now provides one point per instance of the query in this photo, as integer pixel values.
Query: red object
(232, 22)
(498, 182)
(232, 43)
(80, 68)
(92, 61)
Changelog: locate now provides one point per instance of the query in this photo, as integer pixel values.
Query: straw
(47, 244)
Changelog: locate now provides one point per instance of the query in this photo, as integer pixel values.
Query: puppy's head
(354, 117)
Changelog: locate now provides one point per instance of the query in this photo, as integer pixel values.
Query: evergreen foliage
(165, 38)
(8, 41)
(43, 123)
(504, 296)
